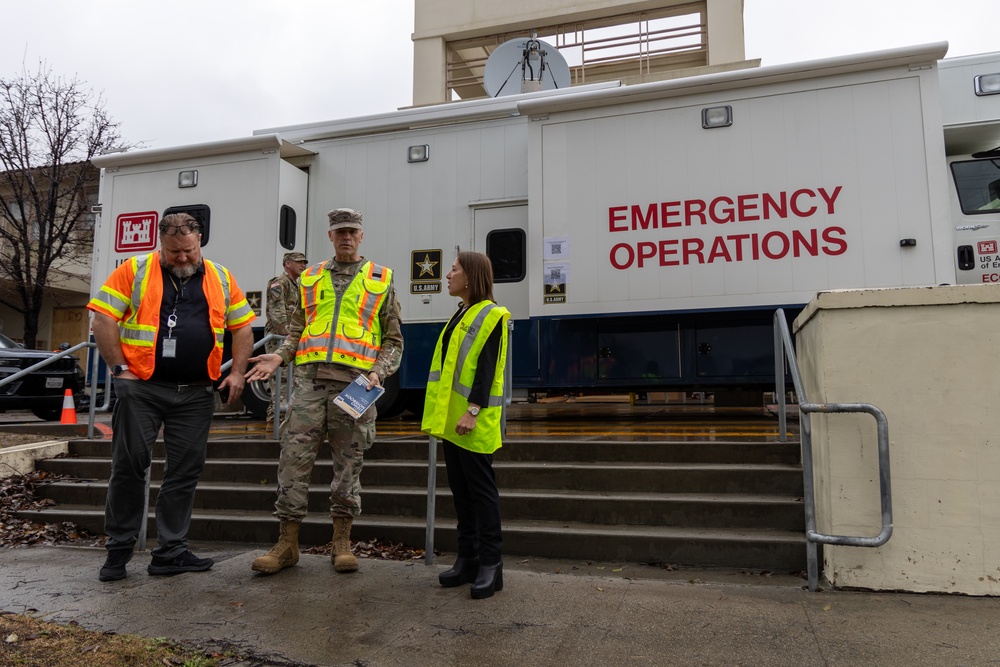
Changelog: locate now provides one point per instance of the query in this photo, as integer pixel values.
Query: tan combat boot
(343, 559)
(283, 554)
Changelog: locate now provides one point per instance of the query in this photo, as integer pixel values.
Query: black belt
(187, 383)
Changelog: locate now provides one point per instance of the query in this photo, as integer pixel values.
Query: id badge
(169, 348)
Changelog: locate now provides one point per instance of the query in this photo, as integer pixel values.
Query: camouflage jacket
(282, 302)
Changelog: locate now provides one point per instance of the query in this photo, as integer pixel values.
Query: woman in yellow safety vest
(463, 409)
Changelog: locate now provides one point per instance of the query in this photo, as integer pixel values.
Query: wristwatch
(118, 369)
(474, 411)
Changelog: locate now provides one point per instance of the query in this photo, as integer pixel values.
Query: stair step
(514, 450)
(670, 509)
(747, 548)
(603, 477)
(727, 504)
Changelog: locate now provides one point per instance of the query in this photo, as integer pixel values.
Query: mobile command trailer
(642, 236)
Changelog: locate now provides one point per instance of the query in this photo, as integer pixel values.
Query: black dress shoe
(489, 579)
(462, 572)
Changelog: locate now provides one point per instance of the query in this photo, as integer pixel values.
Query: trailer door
(501, 233)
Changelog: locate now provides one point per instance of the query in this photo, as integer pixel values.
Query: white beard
(183, 272)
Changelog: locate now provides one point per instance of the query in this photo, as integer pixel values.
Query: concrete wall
(21, 459)
(929, 358)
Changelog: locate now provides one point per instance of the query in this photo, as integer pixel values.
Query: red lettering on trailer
(647, 250)
(668, 210)
(614, 217)
(991, 277)
(837, 246)
(629, 254)
(694, 208)
(135, 232)
(804, 212)
(692, 248)
(775, 245)
(723, 209)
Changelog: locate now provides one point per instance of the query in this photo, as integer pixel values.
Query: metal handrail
(508, 373)
(50, 360)
(783, 351)
(277, 380)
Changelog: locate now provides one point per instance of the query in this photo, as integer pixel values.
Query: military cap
(294, 257)
(344, 217)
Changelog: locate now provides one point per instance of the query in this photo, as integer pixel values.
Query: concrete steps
(725, 504)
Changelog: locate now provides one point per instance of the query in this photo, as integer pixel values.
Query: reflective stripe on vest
(462, 389)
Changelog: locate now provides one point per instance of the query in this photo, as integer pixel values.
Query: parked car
(41, 391)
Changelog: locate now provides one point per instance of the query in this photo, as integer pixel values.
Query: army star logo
(427, 266)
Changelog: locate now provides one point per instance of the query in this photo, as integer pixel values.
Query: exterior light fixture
(988, 84)
(187, 179)
(420, 153)
(716, 117)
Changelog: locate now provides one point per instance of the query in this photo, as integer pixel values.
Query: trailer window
(199, 212)
(286, 227)
(506, 250)
(978, 185)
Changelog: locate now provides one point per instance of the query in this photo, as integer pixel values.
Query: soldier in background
(282, 302)
(348, 325)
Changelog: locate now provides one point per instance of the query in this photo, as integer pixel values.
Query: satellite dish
(524, 65)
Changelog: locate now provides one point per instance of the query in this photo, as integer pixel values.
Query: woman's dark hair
(479, 270)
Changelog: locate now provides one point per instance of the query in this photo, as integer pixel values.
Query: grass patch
(27, 641)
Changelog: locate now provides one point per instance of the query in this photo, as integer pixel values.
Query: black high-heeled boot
(489, 579)
(462, 572)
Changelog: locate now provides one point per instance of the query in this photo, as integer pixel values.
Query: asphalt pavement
(550, 613)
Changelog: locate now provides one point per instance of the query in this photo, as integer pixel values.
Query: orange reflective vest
(132, 296)
(344, 330)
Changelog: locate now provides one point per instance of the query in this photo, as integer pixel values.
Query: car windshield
(8, 344)
(978, 185)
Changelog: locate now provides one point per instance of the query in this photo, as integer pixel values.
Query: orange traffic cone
(68, 409)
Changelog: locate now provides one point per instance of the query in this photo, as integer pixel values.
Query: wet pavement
(550, 613)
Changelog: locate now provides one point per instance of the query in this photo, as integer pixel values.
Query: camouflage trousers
(313, 418)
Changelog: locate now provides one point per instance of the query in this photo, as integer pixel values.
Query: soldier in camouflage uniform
(282, 302)
(348, 325)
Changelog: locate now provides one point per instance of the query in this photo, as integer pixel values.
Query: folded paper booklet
(356, 398)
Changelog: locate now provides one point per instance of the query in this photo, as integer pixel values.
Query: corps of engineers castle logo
(134, 232)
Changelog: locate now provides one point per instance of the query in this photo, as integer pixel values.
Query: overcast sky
(189, 71)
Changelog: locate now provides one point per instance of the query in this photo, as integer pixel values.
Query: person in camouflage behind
(282, 302)
(348, 324)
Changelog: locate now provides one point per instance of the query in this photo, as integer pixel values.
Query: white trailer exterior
(635, 248)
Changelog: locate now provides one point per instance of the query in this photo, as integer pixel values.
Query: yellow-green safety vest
(357, 337)
(449, 383)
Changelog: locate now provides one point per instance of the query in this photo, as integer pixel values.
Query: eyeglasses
(184, 230)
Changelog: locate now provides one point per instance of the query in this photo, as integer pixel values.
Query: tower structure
(601, 40)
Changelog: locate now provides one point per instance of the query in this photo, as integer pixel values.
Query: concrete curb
(20, 459)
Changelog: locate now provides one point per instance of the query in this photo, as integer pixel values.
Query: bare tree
(50, 128)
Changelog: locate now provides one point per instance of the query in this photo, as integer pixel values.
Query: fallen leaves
(19, 493)
(375, 548)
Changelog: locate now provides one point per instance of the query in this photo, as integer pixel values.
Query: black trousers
(185, 413)
(477, 503)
